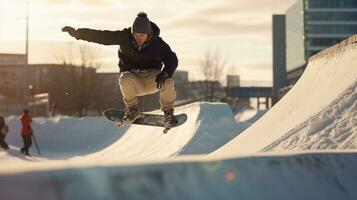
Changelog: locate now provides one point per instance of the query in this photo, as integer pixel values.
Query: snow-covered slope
(329, 76)
(335, 127)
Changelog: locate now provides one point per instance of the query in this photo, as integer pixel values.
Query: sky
(239, 30)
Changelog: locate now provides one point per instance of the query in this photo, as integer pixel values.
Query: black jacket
(155, 53)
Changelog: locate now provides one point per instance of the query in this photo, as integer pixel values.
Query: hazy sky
(239, 29)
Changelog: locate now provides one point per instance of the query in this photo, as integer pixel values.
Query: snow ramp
(95, 138)
(201, 134)
(326, 90)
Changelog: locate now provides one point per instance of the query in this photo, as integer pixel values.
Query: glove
(70, 30)
(160, 79)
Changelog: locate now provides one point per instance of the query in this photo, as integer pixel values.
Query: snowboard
(146, 119)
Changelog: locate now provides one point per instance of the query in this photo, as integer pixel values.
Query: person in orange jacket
(26, 131)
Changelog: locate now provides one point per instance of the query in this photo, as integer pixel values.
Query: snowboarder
(26, 131)
(142, 54)
(4, 129)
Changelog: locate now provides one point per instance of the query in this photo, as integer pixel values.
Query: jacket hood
(155, 30)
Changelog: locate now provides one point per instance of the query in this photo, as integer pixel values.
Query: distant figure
(26, 131)
(142, 54)
(4, 129)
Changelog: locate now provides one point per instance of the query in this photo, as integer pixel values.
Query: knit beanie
(141, 24)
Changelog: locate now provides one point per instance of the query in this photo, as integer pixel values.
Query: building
(12, 59)
(279, 58)
(205, 90)
(181, 84)
(109, 95)
(39, 80)
(233, 81)
(313, 25)
(180, 76)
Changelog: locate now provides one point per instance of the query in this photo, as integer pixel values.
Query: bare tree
(65, 54)
(212, 68)
(75, 92)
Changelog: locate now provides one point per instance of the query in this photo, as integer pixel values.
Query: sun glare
(12, 24)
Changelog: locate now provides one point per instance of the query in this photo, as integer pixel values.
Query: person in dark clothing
(26, 131)
(142, 54)
(4, 129)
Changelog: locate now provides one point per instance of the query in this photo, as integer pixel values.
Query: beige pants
(140, 84)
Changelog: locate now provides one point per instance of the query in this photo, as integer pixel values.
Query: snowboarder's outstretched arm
(97, 36)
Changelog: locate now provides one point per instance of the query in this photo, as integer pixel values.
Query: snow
(302, 148)
(94, 138)
(327, 76)
(335, 127)
(248, 116)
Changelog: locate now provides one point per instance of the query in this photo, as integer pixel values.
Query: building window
(322, 42)
(331, 16)
(331, 29)
(330, 3)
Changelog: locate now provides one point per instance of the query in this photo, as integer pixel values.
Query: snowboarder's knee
(169, 85)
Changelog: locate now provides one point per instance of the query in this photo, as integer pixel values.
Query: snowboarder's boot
(131, 114)
(170, 120)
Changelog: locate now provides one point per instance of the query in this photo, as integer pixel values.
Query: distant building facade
(11, 75)
(233, 81)
(12, 59)
(109, 93)
(313, 25)
(39, 80)
(180, 76)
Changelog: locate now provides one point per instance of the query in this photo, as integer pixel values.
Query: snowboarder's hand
(70, 30)
(160, 79)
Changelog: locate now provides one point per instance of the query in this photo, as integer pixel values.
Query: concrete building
(233, 81)
(279, 56)
(181, 76)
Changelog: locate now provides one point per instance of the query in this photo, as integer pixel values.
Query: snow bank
(327, 176)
